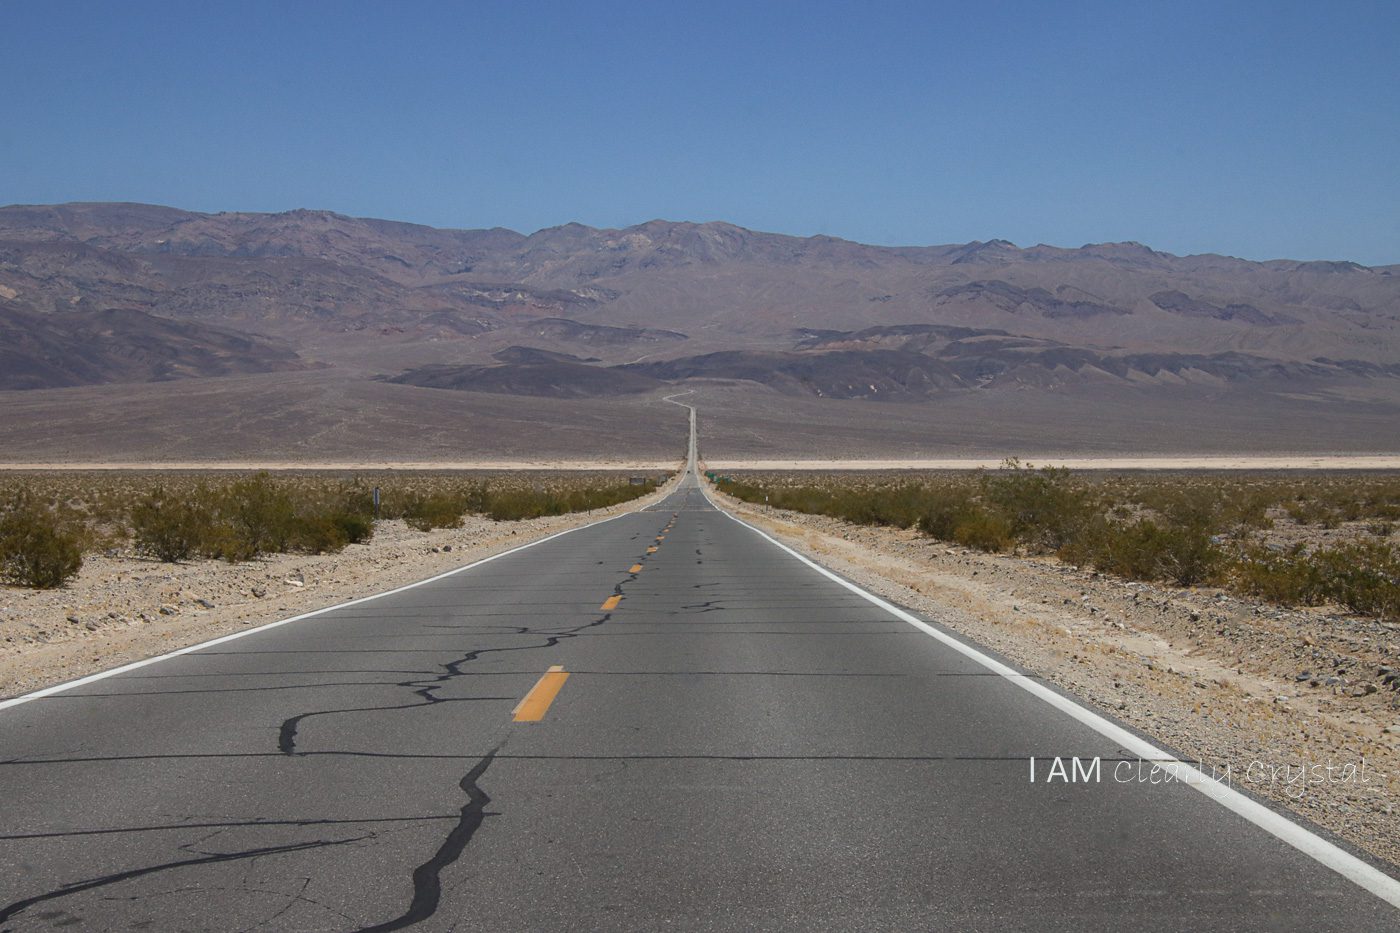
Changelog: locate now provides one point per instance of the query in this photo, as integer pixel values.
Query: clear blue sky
(1260, 130)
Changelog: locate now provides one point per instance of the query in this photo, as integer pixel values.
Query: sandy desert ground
(330, 416)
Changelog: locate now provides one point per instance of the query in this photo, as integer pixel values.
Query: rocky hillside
(96, 293)
(83, 347)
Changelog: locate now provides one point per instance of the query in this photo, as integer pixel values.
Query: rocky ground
(123, 607)
(1273, 695)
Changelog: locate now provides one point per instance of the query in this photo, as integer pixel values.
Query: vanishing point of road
(664, 720)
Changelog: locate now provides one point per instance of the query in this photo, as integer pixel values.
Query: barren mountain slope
(985, 329)
(688, 277)
(113, 346)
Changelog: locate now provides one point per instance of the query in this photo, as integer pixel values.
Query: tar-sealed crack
(427, 877)
(426, 688)
(287, 734)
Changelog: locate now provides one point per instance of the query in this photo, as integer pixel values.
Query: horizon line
(701, 223)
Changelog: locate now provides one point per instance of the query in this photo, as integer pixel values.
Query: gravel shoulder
(1273, 695)
(123, 608)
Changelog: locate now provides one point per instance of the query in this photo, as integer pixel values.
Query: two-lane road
(740, 743)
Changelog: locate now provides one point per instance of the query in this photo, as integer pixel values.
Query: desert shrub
(984, 530)
(355, 527)
(795, 498)
(1364, 577)
(1310, 512)
(1091, 540)
(223, 543)
(250, 515)
(602, 496)
(1147, 550)
(1246, 507)
(517, 504)
(324, 532)
(169, 526)
(898, 506)
(426, 511)
(1193, 505)
(246, 518)
(254, 516)
(1350, 508)
(1042, 508)
(326, 520)
(39, 547)
(941, 511)
(1289, 577)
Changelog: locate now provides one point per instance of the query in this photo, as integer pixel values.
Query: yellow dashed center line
(610, 603)
(652, 549)
(536, 702)
(636, 568)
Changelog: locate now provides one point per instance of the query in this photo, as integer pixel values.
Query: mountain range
(133, 298)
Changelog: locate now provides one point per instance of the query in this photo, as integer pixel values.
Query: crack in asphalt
(427, 877)
(262, 689)
(299, 897)
(15, 908)
(243, 887)
(242, 674)
(234, 824)
(287, 734)
(480, 629)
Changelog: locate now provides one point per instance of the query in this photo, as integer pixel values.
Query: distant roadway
(664, 720)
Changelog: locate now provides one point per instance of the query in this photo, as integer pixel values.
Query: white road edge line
(1309, 843)
(102, 675)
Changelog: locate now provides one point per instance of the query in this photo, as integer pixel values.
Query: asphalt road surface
(729, 740)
